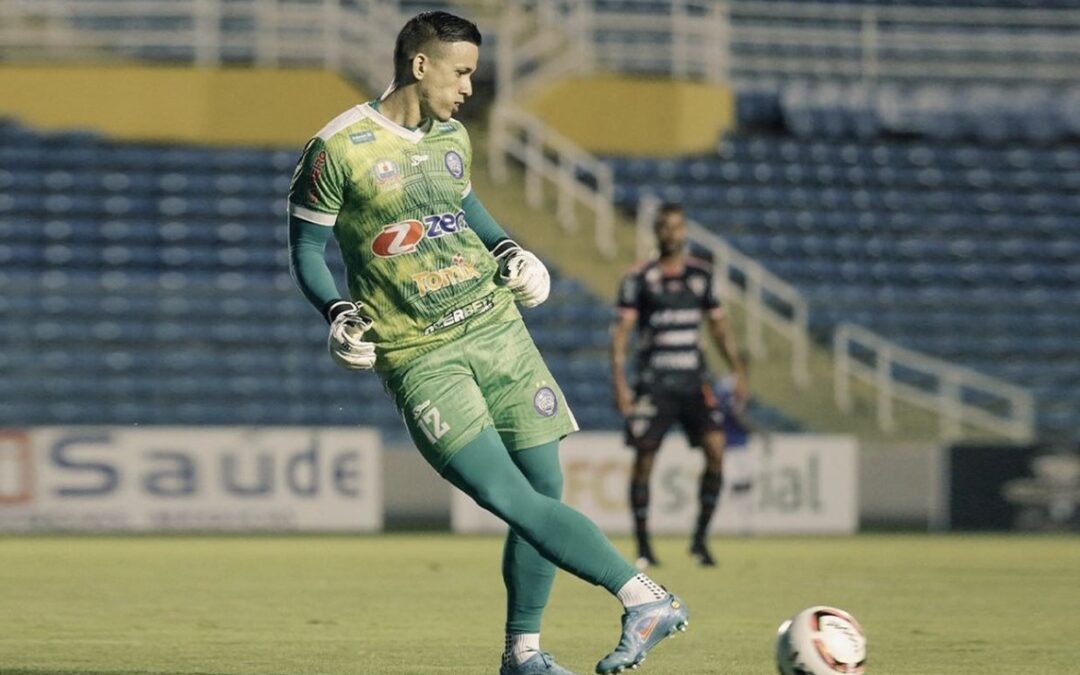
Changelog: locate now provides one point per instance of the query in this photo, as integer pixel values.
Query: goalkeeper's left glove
(346, 342)
(522, 272)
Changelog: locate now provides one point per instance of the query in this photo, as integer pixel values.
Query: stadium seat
(171, 260)
(883, 223)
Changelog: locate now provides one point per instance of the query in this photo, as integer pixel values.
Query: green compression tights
(523, 488)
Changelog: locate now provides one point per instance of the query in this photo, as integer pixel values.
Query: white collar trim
(414, 135)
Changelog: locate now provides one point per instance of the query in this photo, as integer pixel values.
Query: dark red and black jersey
(669, 308)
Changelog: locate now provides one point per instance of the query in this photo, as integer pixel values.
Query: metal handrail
(549, 156)
(329, 34)
(943, 395)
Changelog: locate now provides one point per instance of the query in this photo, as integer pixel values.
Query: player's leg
(484, 471)
(703, 423)
(709, 489)
(527, 575)
(449, 420)
(529, 408)
(640, 477)
(648, 422)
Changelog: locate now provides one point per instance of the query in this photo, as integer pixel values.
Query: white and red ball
(821, 640)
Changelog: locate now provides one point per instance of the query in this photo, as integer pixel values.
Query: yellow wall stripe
(219, 106)
(622, 115)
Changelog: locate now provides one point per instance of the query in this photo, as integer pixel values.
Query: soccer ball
(821, 641)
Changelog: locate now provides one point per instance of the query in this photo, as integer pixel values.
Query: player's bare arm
(724, 338)
(620, 341)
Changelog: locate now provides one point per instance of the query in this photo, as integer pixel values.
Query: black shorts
(654, 414)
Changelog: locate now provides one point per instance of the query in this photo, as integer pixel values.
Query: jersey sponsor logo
(675, 360)
(446, 126)
(460, 271)
(676, 338)
(316, 173)
(362, 137)
(545, 402)
(417, 160)
(397, 239)
(463, 313)
(454, 165)
(675, 317)
(386, 170)
(404, 237)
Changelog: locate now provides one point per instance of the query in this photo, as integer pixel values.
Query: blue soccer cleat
(540, 663)
(643, 627)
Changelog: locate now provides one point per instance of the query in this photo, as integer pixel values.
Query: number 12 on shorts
(430, 421)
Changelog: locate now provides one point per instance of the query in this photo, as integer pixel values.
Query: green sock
(527, 574)
(484, 470)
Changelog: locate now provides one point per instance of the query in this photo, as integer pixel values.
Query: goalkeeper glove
(522, 272)
(346, 342)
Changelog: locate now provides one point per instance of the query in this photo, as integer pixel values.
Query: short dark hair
(425, 28)
(666, 209)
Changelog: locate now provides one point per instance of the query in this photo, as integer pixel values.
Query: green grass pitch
(416, 604)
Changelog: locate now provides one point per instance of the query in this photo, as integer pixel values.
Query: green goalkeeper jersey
(394, 199)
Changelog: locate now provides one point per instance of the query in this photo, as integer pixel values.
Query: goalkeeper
(433, 281)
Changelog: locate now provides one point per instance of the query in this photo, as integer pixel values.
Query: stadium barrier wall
(1012, 487)
(804, 484)
(902, 486)
(192, 105)
(645, 117)
(118, 479)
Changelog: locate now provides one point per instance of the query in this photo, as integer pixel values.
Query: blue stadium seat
(164, 255)
(957, 236)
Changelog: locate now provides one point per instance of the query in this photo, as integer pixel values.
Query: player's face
(671, 233)
(447, 80)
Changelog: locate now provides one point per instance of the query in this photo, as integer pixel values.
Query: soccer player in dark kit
(667, 299)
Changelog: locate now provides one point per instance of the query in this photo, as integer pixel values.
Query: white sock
(520, 647)
(639, 590)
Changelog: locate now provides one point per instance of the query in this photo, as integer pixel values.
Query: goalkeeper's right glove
(522, 272)
(346, 342)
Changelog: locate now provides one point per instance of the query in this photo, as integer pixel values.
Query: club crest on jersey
(697, 285)
(386, 170)
(454, 165)
(545, 402)
(652, 280)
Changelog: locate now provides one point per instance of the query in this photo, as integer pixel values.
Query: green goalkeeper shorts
(492, 376)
